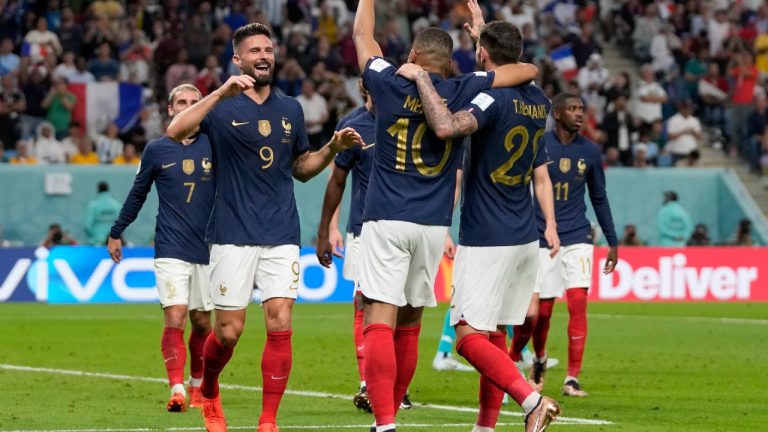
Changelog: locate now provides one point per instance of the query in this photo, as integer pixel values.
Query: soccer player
(259, 143)
(497, 257)
(358, 161)
(409, 204)
(183, 173)
(576, 168)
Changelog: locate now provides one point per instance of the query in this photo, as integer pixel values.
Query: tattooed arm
(445, 124)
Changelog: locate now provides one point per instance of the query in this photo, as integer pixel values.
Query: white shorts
(236, 269)
(351, 269)
(182, 283)
(493, 286)
(570, 268)
(399, 261)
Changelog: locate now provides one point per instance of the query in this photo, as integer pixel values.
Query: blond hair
(180, 88)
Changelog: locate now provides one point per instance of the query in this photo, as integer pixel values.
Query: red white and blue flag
(564, 61)
(100, 103)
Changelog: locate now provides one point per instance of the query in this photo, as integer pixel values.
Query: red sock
(490, 395)
(495, 365)
(541, 331)
(196, 343)
(522, 334)
(358, 336)
(215, 357)
(380, 371)
(407, 355)
(275, 370)
(174, 358)
(577, 329)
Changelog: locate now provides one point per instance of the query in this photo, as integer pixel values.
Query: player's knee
(279, 320)
(229, 332)
(201, 322)
(175, 316)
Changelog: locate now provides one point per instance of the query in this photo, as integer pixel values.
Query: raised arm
(309, 164)
(444, 124)
(362, 33)
(333, 193)
(187, 121)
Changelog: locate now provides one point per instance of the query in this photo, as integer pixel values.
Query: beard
(261, 80)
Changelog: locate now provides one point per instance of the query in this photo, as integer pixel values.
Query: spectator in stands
(744, 75)
(640, 156)
(290, 77)
(630, 237)
(584, 45)
(700, 236)
(677, 91)
(315, 113)
(82, 75)
(85, 154)
(209, 78)
(674, 223)
(129, 156)
(593, 80)
(9, 61)
(717, 29)
(24, 154)
(135, 60)
(694, 70)
(684, 132)
(743, 236)
(646, 27)
(12, 105)
(611, 158)
(70, 143)
(757, 133)
(619, 125)
(104, 67)
(56, 236)
(662, 45)
(181, 71)
(620, 84)
(713, 92)
(198, 37)
(70, 32)
(328, 55)
(48, 149)
(35, 89)
(59, 102)
(108, 145)
(67, 68)
(650, 96)
(100, 213)
(42, 41)
(464, 55)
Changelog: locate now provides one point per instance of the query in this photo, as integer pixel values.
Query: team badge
(222, 289)
(565, 165)
(286, 125)
(207, 166)
(265, 128)
(582, 166)
(171, 290)
(188, 166)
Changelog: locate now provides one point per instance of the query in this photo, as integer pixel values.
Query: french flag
(564, 61)
(34, 50)
(100, 103)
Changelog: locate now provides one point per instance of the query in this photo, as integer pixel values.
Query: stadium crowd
(702, 68)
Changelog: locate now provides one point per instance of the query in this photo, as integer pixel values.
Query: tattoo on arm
(439, 117)
(299, 163)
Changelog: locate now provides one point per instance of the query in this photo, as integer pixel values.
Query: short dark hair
(559, 101)
(503, 41)
(103, 186)
(434, 41)
(248, 30)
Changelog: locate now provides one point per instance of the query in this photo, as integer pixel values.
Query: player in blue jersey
(576, 169)
(497, 257)
(408, 205)
(183, 174)
(357, 161)
(259, 145)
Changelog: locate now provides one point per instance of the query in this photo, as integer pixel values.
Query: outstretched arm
(513, 74)
(445, 124)
(362, 33)
(309, 164)
(333, 193)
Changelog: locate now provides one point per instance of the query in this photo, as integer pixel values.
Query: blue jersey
(254, 146)
(358, 160)
(497, 209)
(349, 116)
(575, 168)
(414, 173)
(185, 184)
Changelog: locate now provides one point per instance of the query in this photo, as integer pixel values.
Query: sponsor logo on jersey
(236, 123)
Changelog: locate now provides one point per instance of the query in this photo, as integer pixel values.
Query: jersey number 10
(400, 131)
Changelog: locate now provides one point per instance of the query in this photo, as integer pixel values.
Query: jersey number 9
(400, 130)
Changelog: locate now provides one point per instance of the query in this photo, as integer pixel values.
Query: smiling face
(255, 56)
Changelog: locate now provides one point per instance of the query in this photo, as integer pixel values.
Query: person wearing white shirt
(683, 131)
(108, 145)
(42, 36)
(47, 148)
(650, 97)
(315, 113)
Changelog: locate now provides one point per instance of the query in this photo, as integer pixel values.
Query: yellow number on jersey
(268, 156)
(499, 175)
(400, 131)
(561, 187)
(191, 186)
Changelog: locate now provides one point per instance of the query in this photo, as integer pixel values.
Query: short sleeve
(378, 72)
(469, 85)
(206, 124)
(346, 160)
(542, 155)
(301, 142)
(485, 108)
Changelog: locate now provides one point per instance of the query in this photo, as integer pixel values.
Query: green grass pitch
(648, 367)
